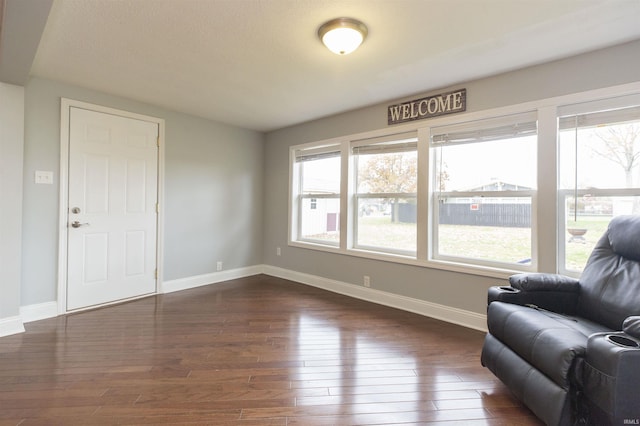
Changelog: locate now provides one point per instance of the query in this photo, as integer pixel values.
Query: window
(386, 175)
(530, 187)
(483, 186)
(316, 200)
(599, 173)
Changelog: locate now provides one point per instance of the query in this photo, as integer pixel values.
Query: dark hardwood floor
(253, 351)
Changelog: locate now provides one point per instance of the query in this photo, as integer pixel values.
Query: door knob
(77, 224)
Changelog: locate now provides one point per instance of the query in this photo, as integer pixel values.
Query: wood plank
(255, 351)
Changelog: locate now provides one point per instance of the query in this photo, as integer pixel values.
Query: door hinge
(158, 141)
(157, 207)
(155, 274)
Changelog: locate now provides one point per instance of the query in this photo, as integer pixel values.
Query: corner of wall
(11, 170)
(11, 325)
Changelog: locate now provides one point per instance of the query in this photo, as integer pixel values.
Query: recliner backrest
(610, 282)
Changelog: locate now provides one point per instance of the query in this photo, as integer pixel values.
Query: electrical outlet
(219, 266)
(367, 281)
(278, 251)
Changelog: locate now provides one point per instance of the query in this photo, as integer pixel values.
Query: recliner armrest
(610, 375)
(544, 282)
(631, 326)
(553, 292)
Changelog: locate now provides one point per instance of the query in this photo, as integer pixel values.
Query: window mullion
(545, 204)
(422, 213)
(346, 203)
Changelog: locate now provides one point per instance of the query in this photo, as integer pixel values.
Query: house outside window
(528, 187)
(317, 195)
(483, 191)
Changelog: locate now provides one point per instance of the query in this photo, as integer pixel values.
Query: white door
(113, 193)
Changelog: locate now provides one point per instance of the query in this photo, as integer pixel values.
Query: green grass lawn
(479, 242)
(577, 252)
(501, 244)
(380, 231)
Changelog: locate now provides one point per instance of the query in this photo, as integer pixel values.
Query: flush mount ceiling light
(342, 35)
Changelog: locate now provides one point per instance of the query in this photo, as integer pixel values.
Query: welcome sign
(431, 106)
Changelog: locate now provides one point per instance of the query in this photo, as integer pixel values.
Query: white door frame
(63, 215)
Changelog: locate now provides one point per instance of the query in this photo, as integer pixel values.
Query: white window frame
(469, 133)
(598, 106)
(547, 211)
(403, 142)
(297, 197)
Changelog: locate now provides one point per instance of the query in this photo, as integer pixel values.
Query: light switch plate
(44, 177)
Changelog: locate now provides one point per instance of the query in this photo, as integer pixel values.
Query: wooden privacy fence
(504, 215)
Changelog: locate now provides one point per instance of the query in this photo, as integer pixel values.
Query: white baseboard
(14, 325)
(441, 312)
(11, 325)
(205, 279)
(39, 311)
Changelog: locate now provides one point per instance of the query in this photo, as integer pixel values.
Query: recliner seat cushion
(548, 341)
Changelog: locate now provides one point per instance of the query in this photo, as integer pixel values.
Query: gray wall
(11, 148)
(226, 187)
(608, 67)
(213, 190)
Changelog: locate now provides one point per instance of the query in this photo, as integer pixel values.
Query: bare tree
(620, 144)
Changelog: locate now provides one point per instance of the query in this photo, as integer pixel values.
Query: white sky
(509, 160)
(473, 164)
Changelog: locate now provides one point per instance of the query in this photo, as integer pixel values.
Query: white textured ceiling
(258, 64)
